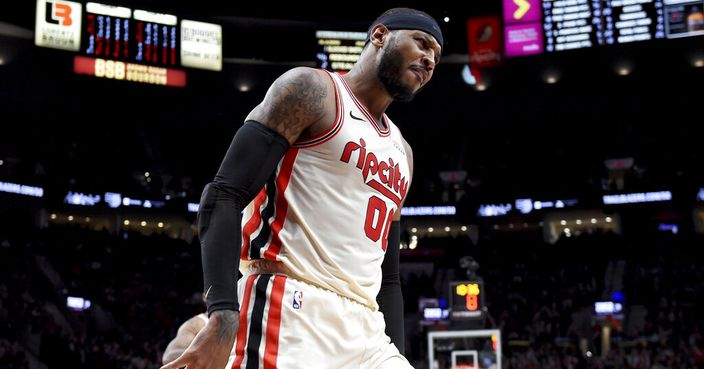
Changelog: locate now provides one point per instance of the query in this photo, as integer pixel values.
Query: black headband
(409, 21)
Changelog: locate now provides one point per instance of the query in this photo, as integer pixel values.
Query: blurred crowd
(541, 296)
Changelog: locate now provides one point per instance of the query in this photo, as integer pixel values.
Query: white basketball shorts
(288, 324)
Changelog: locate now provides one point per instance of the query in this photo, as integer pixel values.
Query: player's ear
(378, 35)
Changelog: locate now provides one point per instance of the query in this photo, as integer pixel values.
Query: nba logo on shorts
(297, 299)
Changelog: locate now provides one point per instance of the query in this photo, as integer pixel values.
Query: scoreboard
(339, 50)
(629, 21)
(466, 300)
(134, 45)
(547, 26)
(120, 34)
(572, 24)
(121, 43)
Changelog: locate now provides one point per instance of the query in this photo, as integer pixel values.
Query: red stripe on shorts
(242, 330)
(273, 324)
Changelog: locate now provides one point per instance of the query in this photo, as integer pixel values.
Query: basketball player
(321, 173)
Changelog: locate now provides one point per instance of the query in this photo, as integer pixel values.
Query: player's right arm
(300, 102)
(297, 103)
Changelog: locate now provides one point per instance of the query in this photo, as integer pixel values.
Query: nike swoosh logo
(357, 118)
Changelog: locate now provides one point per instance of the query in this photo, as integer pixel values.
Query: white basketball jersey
(326, 212)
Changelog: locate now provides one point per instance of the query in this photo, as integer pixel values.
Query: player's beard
(391, 70)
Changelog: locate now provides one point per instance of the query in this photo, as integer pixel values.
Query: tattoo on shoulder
(298, 102)
(227, 328)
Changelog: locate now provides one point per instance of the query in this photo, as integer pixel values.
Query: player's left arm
(390, 298)
(185, 335)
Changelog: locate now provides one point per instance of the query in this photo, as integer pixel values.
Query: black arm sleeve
(390, 298)
(252, 157)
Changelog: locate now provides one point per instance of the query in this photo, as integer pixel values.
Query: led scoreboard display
(339, 50)
(534, 26)
(121, 43)
(133, 45)
(573, 24)
(120, 34)
(466, 300)
(633, 20)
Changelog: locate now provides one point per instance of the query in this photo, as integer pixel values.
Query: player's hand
(211, 347)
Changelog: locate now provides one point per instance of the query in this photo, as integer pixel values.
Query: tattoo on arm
(227, 327)
(294, 103)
